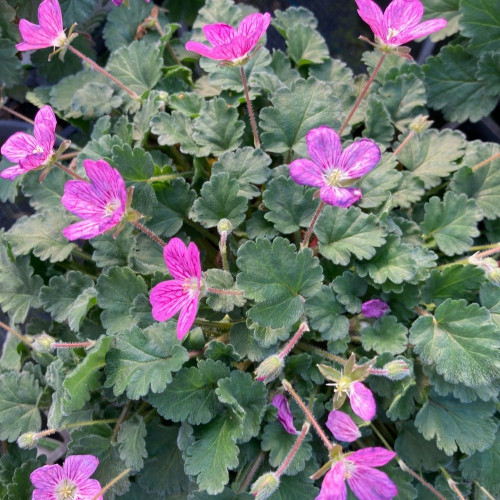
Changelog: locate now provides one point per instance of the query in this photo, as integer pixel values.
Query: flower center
(110, 207)
(343, 384)
(391, 32)
(66, 490)
(349, 468)
(334, 177)
(60, 40)
(191, 286)
(38, 149)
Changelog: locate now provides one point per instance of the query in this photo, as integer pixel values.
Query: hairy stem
(56, 345)
(303, 433)
(253, 123)
(148, 232)
(485, 162)
(223, 250)
(69, 171)
(16, 334)
(404, 143)
(485, 491)
(251, 473)
(120, 420)
(112, 483)
(451, 483)
(225, 292)
(291, 343)
(307, 236)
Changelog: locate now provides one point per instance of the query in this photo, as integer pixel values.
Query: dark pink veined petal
(78, 468)
(362, 401)
(285, 416)
(200, 48)
(50, 17)
(106, 180)
(238, 47)
(401, 16)
(33, 161)
(18, 146)
(187, 316)
(340, 197)
(375, 308)
(219, 33)
(323, 146)
(372, 15)
(46, 117)
(254, 26)
(371, 457)
(359, 158)
(182, 262)
(89, 489)
(421, 30)
(34, 36)
(167, 298)
(43, 495)
(46, 478)
(333, 486)
(371, 484)
(12, 172)
(307, 173)
(45, 137)
(85, 230)
(342, 426)
(80, 199)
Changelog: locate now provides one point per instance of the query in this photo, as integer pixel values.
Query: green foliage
(386, 335)
(222, 280)
(305, 45)
(480, 21)
(11, 66)
(132, 446)
(443, 8)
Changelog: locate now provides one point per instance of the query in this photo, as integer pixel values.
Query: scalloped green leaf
(489, 295)
(349, 289)
(95, 99)
(222, 280)
(480, 21)
(305, 45)
(378, 125)
(447, 9)
(385, 335)
(283, 19)
(131, 442)
(12, 72)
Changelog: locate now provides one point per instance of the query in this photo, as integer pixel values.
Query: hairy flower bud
(269, 369)
(225, 225)
(420, 123)
(27, 441)
(43, 343)
(397, 369)
(265, 486)
(494, 276)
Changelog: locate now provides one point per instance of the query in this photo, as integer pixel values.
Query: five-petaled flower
(342, 426)
(285, 416)
(30, 151)
(400, 23)
(366, 482)
(230, 44)
(50, 31)
(361, 398)
(332, 169)
(375, 308)
(182, 293)
(101, 202)
(69, 482)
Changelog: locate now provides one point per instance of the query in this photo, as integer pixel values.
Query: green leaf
(95, 99)
(447, 9)
(144, 360)
(220, 351)
(248, 166)
(290, 205)
(457, 425)
(12, 71)
(21, 486)
(131, 443)
(452, 223)
(247, 398)
(85, 377)
(461, 340)
(342, 233)
(220, 200)
(297, 487)
(191, 396)
(7, 16)
(265, 335)
(455, 282)
(216, 11)
(218, 127)
(279, 443)
(275, 276)
(188, 103)
(138, 66)
(453, 87)
(109, 251)
(68, 297)
(116, 291)
(296, 110)
(349, 288)
(409, 191)
(480, 21)
(222, 280)
(292, 16)
(76, 11)
(8, 189)
(42, 234)
(481, 184)
(378, 124)
(489, 295)
(19, 396)
(385, 335)
(488, 71)
(432, 155)
(305, 45)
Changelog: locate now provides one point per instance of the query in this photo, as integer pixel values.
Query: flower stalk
(303, 433)
(307, 236)
(148, 232)
(112, 483)
(16, 334)
(253, 123)
(73, 345)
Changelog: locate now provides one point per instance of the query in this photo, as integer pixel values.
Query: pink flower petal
(238, 47)
(421, 30)
(85, 230)
(167, 298)
(285, 416)
(18, 146)
(200, 48)
(307, 173)
(362, 401)
(323, 146)
(89, 489)
(359, 158)
(12, 172)
(106, 181)
(254, 26)
(333, 486)
(372, 15)
(45, 138)
(50, 16)
(194, 260)
(187, 316)
(219, 33)
(401, 16)
(43, 495)
(340, 197)
(46, 478)
(342, 426)
(81, 199)
(372, 457)
(34, 36)
(182, 262)
(371, 484)
(78, 468)
(46, 117)
(375, 308)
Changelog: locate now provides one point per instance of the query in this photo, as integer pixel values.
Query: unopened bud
(397, 369)
(494, 276)
(420, 123)
(43, 343)
(225, 225)
(269, 369)
(27, 441)
(265, 486)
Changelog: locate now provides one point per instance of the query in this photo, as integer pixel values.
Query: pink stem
(291, 344)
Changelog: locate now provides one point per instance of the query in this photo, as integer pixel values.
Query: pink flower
(362, 401)
(375, 308)
(366, 482)
(31, 152)
(342, 426)
(229, 44)
(181, 293)
(100, 203)
(50, 31)
(285, 416)
(71, 481)
(331, 169)
(400, 23)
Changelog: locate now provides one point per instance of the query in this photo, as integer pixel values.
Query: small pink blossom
(400, 23)
(71, 481)
(50, 31)
(30, 151)
(285, 416)
(229, 44)
(375, 308)
(331, 169)
(366, 482)
(362, 401)
(100, 203)
(342, 426)
(182, 293)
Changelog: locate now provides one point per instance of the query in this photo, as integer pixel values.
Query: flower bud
(224, 225)
(27, 441)
(494, 276)
(397, 369)
(269, 369)
(43, 343)
(265, 486)
(420, 123)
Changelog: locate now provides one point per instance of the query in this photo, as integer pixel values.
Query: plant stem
(485, 162)
(303, 433)
(223, 250)
(251, 473)
(74, 345)
(80, 253)
(225, 292)
(16, 334)
(404, 143)
(495, 248)
(363, 93)
(202, 231)
(288, 387)
(167, 177)
(451, 483)
(86, 423)
(307, 236)
(253, 123)
(148, 232)
(69, 156)
(483, 247)
(70, 172)
(214, 324)
(94, 65)
(112, 483)
(485, 491)
(291, 344)
(120, 420)
(321, 352)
